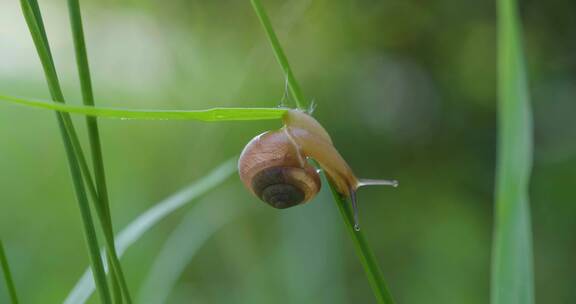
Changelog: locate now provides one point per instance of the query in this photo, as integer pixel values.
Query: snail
(274, 165)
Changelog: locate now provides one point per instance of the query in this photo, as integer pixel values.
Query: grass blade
(138, 227)
(102, 202)
(512, 273)
(33, 18)
(209, 115)
(205, 219)
(279, 53)
(7, 275)
(363, 250)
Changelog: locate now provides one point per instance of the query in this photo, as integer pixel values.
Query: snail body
(274, 165)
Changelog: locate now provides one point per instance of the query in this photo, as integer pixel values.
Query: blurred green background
(406, 89)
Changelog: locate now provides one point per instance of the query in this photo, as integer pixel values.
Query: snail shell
(274, 169)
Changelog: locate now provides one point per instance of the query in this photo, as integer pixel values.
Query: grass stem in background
(102, 203)
(7, 275)
(148, 219)
(206, 218)
(512, 269)
(279, 53)
(35, 24)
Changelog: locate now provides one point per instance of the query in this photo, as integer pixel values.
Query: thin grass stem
(279, 53)
(8, 280)
(35, 24)
(363, 250)
(102, 203)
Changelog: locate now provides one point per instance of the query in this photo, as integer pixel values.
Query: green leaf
(209, 115)
(512, 270)
(7, 275)
(138, 227)
(279, 53)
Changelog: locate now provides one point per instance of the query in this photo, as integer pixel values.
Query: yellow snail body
(274, 165)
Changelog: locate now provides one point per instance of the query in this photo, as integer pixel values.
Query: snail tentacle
(377, 182)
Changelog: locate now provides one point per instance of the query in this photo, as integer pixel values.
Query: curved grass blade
(512, 269)
(102, 201)
(279, 53)
(7, 275)
(209, 115)
(138, 227)
(35, 24)
(205, 219)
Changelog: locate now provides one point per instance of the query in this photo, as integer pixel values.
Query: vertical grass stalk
(35, 24)
(279, 53)
(363, 250)
(7, 275)
(102, 203)
(512, 270)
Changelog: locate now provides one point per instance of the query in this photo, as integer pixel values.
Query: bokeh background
(406, 89)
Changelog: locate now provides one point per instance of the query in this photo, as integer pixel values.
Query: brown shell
(274, 169)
